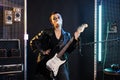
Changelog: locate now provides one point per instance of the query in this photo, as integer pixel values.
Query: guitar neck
(65, 48)
(79, 30)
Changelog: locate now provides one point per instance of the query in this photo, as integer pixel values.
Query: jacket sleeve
(73, 45)
(39, 42)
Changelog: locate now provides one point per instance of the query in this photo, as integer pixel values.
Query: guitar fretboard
(65, 48)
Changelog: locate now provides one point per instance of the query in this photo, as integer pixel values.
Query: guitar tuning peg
(85, 25)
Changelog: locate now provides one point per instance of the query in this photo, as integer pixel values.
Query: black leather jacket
(46, 40)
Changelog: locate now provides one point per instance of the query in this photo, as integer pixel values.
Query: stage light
(100, 34)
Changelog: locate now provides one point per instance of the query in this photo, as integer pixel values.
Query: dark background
(74, 13)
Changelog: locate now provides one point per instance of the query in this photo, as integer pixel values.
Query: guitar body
(49, 67)
(54, 63)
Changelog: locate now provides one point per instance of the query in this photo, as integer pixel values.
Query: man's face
(56, 20)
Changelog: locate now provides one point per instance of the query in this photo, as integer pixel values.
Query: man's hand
(46, 52)
(76, 34)
(80, 30)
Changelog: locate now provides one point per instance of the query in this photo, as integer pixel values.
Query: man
(51, 41)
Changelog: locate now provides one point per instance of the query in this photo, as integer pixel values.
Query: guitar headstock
(82, 27)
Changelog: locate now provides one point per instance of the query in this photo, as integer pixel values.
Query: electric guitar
(55, 62)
